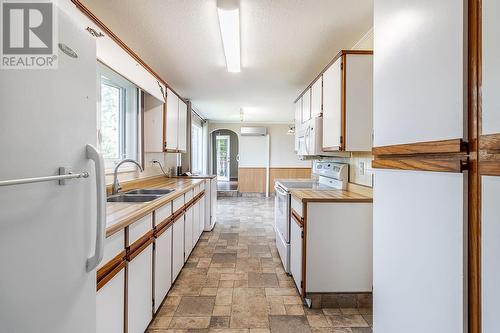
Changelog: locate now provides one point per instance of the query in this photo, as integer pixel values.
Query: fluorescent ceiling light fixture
(229, 23)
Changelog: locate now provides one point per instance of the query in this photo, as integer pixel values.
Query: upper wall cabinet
(153, 124)
(306, 105)
(172, 121)
(176, 123)
(317, 98)
(348, 102)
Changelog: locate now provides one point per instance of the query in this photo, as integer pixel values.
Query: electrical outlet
(361, 168)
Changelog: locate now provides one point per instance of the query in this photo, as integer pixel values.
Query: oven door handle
(280, 190)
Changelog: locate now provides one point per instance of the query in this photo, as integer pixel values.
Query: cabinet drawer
(138, 229)
(177, 203)
(196, 190)
(188, 196)
(113, 246)
(163, 213)
(297, 206)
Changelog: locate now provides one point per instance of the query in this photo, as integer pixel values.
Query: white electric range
(331, 175)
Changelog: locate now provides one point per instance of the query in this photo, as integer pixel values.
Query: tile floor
(234, 282)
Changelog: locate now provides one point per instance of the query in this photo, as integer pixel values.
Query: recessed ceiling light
(229, 23)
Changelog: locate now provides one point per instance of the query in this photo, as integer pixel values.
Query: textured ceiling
(284, 44)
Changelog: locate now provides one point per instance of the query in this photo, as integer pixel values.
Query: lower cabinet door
(110, 303)
(202, 214)
(296, 254)
(196, 223)
(188, 233)
(140, 291)
(177, 247)
(213, 198)
(163, 267)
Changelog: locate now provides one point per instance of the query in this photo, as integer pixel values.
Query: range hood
(253, 131)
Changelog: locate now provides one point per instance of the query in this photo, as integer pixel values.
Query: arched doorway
(224, 152)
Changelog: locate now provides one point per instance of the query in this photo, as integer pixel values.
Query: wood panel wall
(253, 180)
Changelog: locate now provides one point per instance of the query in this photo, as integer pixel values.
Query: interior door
(47, 118)
(222, 154)
(489, 167)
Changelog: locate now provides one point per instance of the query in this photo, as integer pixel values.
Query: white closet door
(163, 266)
(419, 252)
(177, 247)
(419, 70)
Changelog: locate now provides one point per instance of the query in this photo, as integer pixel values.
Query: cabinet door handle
(94, 155)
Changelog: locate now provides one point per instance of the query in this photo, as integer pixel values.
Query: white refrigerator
(51, 235)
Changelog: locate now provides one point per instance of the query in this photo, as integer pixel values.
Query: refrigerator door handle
(93, 154)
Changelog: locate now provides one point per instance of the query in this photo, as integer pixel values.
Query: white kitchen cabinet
(177, 247)
(172, 121)
(163, 266)
(298, 121)
(188, 233)
(183, 126)
(176, 123)
(110, 305)
(140, 291)
(332, 106)
(213, 201)
(317, 97)
(348, 103)
(202, 213)
(306, 105)
(154, 113)
(196, 223)
(296, 253)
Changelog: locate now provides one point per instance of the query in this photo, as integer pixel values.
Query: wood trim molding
(490, 143)
(87, 12)
(139, 245)
(474, 179)
(337, 56)
(435, 156)
(138, 250)
(429, 147)
(456, 165)
(163, 226)
(110, 265)
(104, 280)
(296, 217)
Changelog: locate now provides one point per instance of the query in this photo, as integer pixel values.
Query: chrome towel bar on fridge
(64, 175)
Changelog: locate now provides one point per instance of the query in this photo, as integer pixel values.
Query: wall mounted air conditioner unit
(253, 131)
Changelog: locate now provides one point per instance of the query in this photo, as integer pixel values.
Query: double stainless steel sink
(139, 195)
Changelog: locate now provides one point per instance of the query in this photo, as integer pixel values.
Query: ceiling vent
(253, 131)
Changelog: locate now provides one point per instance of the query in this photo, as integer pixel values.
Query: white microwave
(309, 137)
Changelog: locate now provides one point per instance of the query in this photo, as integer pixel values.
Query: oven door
(282, 212)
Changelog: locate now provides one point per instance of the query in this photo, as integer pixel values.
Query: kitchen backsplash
(168, 160)
(360, 167)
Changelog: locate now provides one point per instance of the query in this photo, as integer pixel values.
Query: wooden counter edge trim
(451, 146)
(110, 265)
(456, 165)
(87, 12)
(102, 282)
(296, 217)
